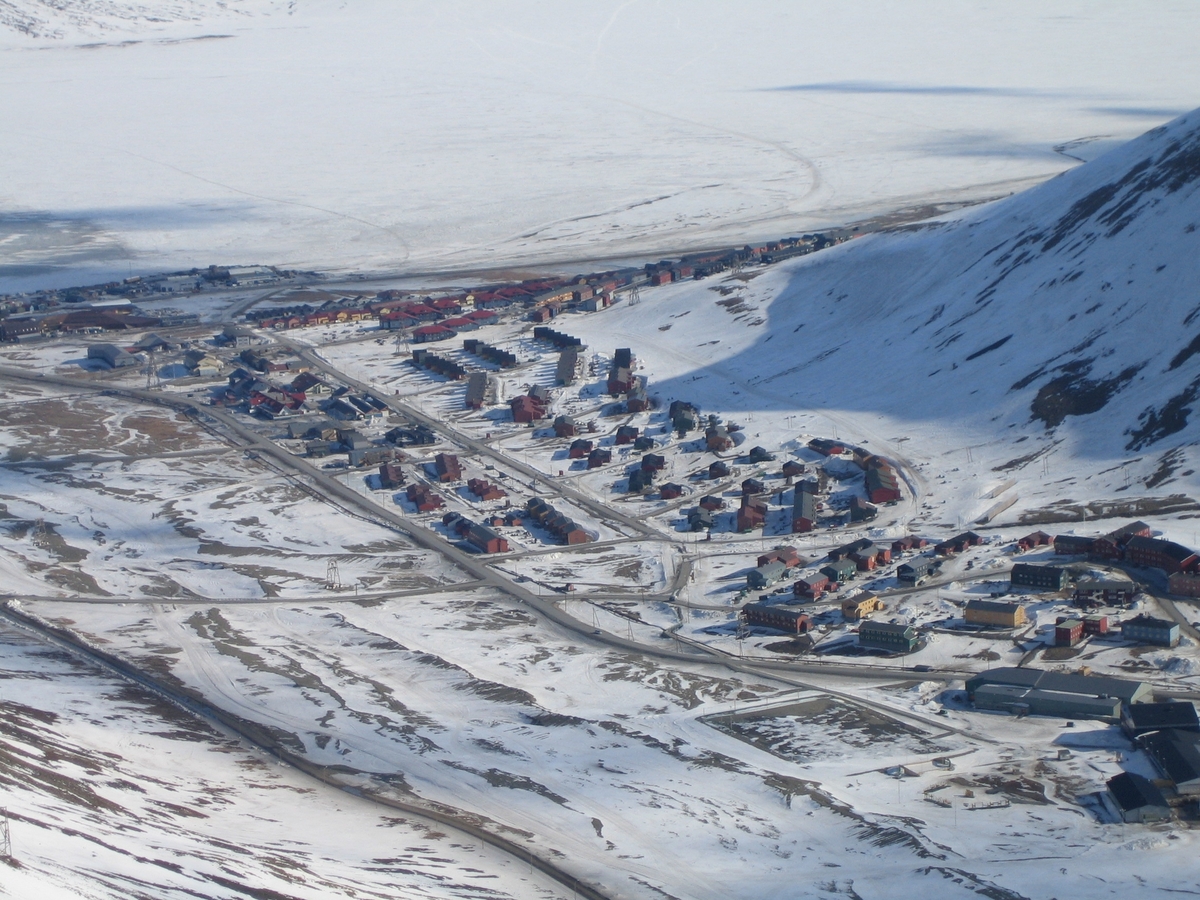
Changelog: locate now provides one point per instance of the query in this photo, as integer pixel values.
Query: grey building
(1030, 701)
(114, 356)
(1149, 630)
(765, 576)
(916, 571)
(840, 571)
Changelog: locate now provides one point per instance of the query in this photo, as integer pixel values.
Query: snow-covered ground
(383, 136)
(110, 792)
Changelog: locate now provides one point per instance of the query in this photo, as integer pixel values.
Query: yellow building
(994, 612)
(860, 606)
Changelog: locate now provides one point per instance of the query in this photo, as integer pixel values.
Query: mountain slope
(1063, 320)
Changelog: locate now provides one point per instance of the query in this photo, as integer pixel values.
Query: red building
(670, 491)
(811, 588)
(447, 467)
(424, 499)
(882, 481)
(1037, 539)
(428, 333)
(1159, 554)
(626, 434)
(526, 409)
(752, 514)
(1068, 632)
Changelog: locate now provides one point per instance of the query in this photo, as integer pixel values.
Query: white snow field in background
(403, 137)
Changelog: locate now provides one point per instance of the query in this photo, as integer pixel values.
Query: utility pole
(5, 836)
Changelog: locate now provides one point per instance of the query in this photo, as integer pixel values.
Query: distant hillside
(1062, 320)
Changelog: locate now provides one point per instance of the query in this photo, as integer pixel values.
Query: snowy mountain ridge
(1064, 320)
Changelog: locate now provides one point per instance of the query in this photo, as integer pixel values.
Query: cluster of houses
(305, 393)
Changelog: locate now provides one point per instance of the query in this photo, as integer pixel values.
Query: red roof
(480, 314)
(458, 322)
(432, 329)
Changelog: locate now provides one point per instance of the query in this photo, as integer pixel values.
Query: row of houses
(439, 365)
(494, 355)
(1134, 545)
(562, 527)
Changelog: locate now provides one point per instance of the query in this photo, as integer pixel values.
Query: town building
(580, 448)
(1091, 592)
(895, 638)
(958, 543)
(787, 555)
(626, 434)
(882, 481)
(564, 426)
(447, 467)
(115, 357)
(670, 491)
(1159, 554)
(481, 390)
(859, 607)
(861, 510)
(765, 576)
(1034, 702)
(804, 511)
(601, 456)
(840, 571)
(1185, 584)
(1146, 629)
(811, 587)
(995, 613)
(1036, 539)
(1038, 578)
(780, 618)
(751, 514)
(391, 476)
(1067, 632)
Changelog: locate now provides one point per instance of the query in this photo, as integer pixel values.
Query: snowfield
(389, 137)
(599, 705)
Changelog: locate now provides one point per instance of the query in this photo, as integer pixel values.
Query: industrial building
(1137, 799)
(1038, 692)
(1142, 718)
